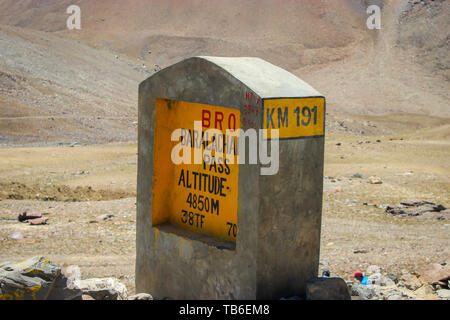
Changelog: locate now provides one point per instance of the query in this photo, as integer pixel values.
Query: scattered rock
(425, 291)
(370, 204)
(38, 221)
(360, 251)
(415, 208)
(80, 173)
(443, 294)
(366, 292)
(29, 215)
(443, 215)
(337, 189)
(141, 296)
(15, 236)
(373, 269)
(357, 176)
(375, 180)
(410, 281)
(103, 217)
(73, 274)
(391, 293)
(381, 280)
(103, 288)
(324, 288)
(436, 274)
(393, 277)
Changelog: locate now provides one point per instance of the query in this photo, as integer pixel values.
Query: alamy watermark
(74, 20)
(213, 147)
(374, 20)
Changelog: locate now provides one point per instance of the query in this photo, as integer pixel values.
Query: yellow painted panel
(295, 118)
(199, 197)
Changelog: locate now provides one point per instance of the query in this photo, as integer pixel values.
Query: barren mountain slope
(401, 68)
(405, 68)
(55, 89)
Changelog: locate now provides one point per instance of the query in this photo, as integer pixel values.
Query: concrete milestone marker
(230, 229)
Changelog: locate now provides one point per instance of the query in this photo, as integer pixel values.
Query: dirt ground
(74, 186)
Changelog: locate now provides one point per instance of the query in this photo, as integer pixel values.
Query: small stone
(393, 277)
(375, 180)
(443, 294)
(38, 221)
(410, 281)
(16, 236)
(29, 215)
(141, 296)
(373, 269)
(104, 217)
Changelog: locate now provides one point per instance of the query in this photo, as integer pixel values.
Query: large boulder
(324, 288)
(436, 274)
(37, 278)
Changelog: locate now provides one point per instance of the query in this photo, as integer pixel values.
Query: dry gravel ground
(411, 165)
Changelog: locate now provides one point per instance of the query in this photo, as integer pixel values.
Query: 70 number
(232, 229)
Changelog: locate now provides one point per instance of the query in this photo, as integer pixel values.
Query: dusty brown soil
(20, 191)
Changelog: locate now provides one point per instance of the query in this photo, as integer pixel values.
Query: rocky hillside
(81, 85)
(55, 89)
